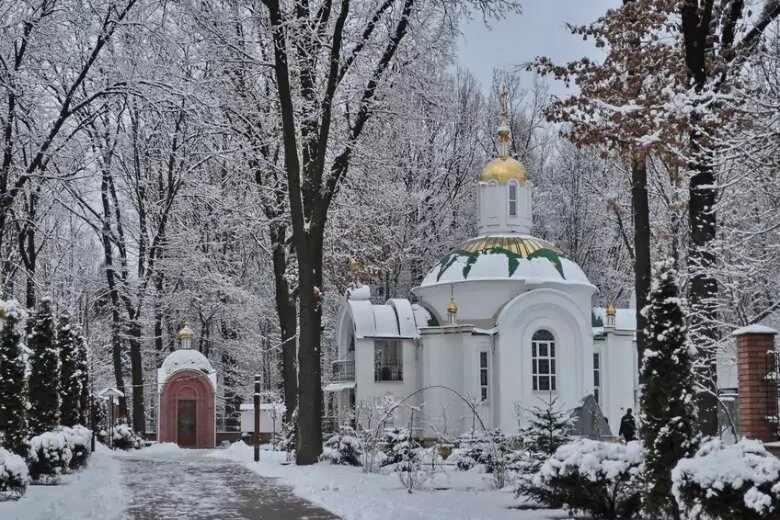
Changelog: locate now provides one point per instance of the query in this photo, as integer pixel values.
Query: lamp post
(110, 393)
(257, 418)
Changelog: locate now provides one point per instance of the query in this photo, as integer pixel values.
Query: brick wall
(757, 396)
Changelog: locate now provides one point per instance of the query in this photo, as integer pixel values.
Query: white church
(505, 320)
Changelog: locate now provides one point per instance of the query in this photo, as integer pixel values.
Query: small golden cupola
(452, 308)
(611, 312)
(504, 168)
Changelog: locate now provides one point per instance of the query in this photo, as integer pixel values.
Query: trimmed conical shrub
(14, 430)
(44, 381)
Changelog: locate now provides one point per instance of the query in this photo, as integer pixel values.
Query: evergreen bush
(82, 366)
(14, 475)
(737, 482)
(70, 373)
(344, 448)
(44, 384)
(124, 438)
(14, 430)
(598, 479)
(394, 442)
(49, 457)
(668, 413)
(545, 429)
(78, 439)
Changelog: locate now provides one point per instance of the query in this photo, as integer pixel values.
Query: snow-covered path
(190, 484)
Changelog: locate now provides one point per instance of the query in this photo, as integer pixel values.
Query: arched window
(543, 361)
(513, 199)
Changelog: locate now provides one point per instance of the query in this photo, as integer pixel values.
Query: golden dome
(504, 169)
(186, 333)
(611, 311)
(452, 308)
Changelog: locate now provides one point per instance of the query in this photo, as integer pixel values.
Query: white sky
(539, 31)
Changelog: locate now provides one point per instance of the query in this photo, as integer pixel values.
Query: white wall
(370, 391)
(569, 321)
(619, 375)
(442, 358)
(493, 208)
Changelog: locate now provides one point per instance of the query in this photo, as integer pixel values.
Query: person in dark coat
(628, 426)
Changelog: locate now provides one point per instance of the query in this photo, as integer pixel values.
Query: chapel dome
(186, 359)
(504, 169)
(505, 257)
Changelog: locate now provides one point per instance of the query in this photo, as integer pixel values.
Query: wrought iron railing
(344, 370)
(388, 371)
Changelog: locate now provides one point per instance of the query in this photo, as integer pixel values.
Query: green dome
(502, 257)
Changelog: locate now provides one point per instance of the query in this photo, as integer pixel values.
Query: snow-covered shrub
(79, 443)
(49, 456)
(417, 465)
(343, 448)
(14, 475)
(289, 434)
(600, 479)
(394, 442)
(738, 482)
(543, 429)
(490, 448)
(124, 437)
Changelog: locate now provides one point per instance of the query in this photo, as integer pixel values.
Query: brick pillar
(757, 396)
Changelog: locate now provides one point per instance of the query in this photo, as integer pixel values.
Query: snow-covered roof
(280, 408)
(625, 319)
(395, 319)
(502, 257)
(754, 329)
(186, 359)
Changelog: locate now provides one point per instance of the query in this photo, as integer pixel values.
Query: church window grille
(483, 375)
(388, 361)
(512, 199)
(543, 368)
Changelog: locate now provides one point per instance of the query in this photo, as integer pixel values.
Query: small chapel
(187, 386)
(504, 320)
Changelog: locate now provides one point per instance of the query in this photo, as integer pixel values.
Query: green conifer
(70, 373)
(44, 370)
(669, 425)
(14, 430)
(82, 365)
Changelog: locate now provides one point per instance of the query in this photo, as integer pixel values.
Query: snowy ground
(353, 495)
(96, 492)
(166, 482)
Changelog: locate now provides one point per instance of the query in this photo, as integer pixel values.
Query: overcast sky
(539, 31)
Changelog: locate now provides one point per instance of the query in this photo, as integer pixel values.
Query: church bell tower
(504, 189)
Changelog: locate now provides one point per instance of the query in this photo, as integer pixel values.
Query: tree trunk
(288, 319)
(702, 289)
(137, 376)
(641, 209)
(310, 389)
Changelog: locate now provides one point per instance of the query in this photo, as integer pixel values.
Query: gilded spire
(503, 124)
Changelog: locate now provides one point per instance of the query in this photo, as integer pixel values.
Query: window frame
(512, 200)
(548, 344)
(388, 370)
(597, 377)
(484, 370)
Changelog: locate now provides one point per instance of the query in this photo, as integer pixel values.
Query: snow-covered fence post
(758, 379)
(256, 439)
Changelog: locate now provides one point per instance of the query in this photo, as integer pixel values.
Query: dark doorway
(186, 423)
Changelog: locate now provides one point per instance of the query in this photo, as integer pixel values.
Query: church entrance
(186, 423)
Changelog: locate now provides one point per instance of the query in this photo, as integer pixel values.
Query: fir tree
(82, 365)
(547, 428)
(669, 417)
(70, 373)
(44, 370)
(13, 388)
